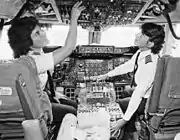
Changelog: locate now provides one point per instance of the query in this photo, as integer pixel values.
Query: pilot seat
(162, 114)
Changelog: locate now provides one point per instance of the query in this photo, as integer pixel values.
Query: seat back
(163, 108)
(21, 97)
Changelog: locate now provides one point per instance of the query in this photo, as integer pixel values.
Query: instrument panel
(90, 60)
(86, 61)
(96, 49)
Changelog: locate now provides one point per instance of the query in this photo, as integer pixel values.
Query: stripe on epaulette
(36, 53)
(148, 59)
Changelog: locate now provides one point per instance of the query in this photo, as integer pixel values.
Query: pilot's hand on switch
(93, 78)
(76, 10)
(102, 77)
(117, 125)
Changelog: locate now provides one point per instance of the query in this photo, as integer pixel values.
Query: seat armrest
(32, 130)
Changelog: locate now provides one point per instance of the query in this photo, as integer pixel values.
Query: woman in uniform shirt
(27, 38)
(143, 63)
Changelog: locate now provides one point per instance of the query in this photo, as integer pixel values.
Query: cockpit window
(119, 36)
(57, 35)
(5, 50)
(176, 43)
(115, 36)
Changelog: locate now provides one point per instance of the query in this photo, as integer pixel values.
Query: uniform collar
(145, 53)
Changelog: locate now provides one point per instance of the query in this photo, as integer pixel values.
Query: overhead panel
(46, 11)
(100, 14)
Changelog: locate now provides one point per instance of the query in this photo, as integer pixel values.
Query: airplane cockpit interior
(73, 78)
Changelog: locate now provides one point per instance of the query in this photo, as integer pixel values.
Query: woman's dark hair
(19, 35)
(156, 35)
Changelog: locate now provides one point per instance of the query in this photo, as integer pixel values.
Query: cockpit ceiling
(98, 15)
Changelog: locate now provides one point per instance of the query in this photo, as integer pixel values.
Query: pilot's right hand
(76, 10)
(99, 77)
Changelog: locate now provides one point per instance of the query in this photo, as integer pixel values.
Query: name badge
(5, 91)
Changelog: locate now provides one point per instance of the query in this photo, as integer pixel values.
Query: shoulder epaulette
(148, 59)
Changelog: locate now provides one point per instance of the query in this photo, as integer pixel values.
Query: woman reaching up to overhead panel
(27, 38)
